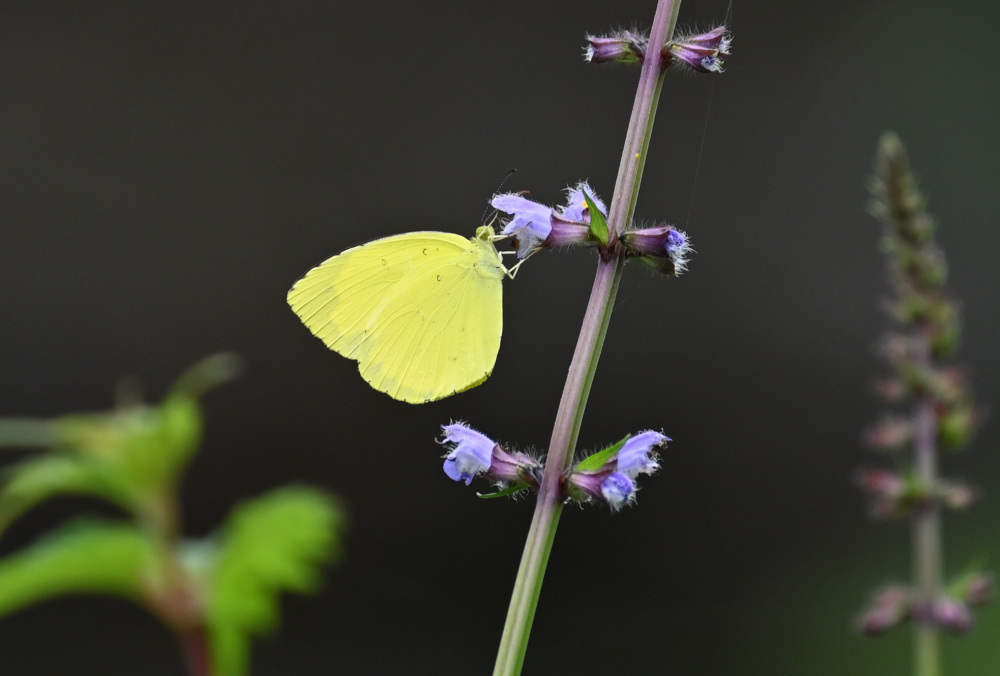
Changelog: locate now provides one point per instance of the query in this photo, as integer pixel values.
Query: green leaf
(598, 226)
(510, 490)
(149, 444)
(84, 557)
(597, 460)
(271, 544)
(37, 479)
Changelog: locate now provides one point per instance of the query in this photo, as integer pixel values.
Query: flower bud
(891, 434)
(889, 608)
(955, 495)
(700, 52)
(952, 614)
(624, 47)
(664, 247)
(888, 490)
(978, 589)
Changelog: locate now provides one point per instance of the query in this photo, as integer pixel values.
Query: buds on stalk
(699, 52)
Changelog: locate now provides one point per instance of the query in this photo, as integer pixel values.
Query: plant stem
(196, 654)
(565, 431)
(926, 542)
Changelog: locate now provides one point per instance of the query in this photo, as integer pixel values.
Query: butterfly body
(420, 312)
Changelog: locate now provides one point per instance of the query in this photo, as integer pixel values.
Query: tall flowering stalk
(941, 415)
(608, 476)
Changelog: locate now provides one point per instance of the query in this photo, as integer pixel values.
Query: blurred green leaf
(85, 557)
(37, 479)
(206, 375)
(26, 433)
(271, 544)
(597, 460)
(149, 445)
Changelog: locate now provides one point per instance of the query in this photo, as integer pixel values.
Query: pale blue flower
(530, 219)
(576, 205)
(471, 455)
(638, 455)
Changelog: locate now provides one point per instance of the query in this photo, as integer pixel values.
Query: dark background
(167, 170)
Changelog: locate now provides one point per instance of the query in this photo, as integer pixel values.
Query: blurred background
(167, 170)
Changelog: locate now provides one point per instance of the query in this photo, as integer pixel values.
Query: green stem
(927, 564)
(565, 431)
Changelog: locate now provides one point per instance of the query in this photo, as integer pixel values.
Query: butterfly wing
(420, 312)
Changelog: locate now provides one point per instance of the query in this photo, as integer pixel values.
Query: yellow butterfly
(420, 312)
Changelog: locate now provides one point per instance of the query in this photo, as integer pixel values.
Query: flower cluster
(621, 46)
(699, 52)
(613, 482)
(608, 476)
(939, 409)
(894, 495)
(536, 226)
(894, 604)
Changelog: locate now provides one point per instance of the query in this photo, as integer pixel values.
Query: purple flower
(638, 455)
(625, 46)
(701, 52)
(666, 247)
(617, 490)
(471, 454)
(535, 225)
(890, 607)
(614, 481)
(529, 217)
(474, 454)
(953, 614)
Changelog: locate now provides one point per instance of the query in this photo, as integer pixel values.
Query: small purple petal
(637, 456)
(678, 247)
(617, 489)
(576, 205)
(676, 240)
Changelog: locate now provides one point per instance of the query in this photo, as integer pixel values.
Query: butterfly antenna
(482, 219)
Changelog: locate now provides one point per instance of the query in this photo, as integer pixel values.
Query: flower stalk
(548, 508)
(943, 416)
